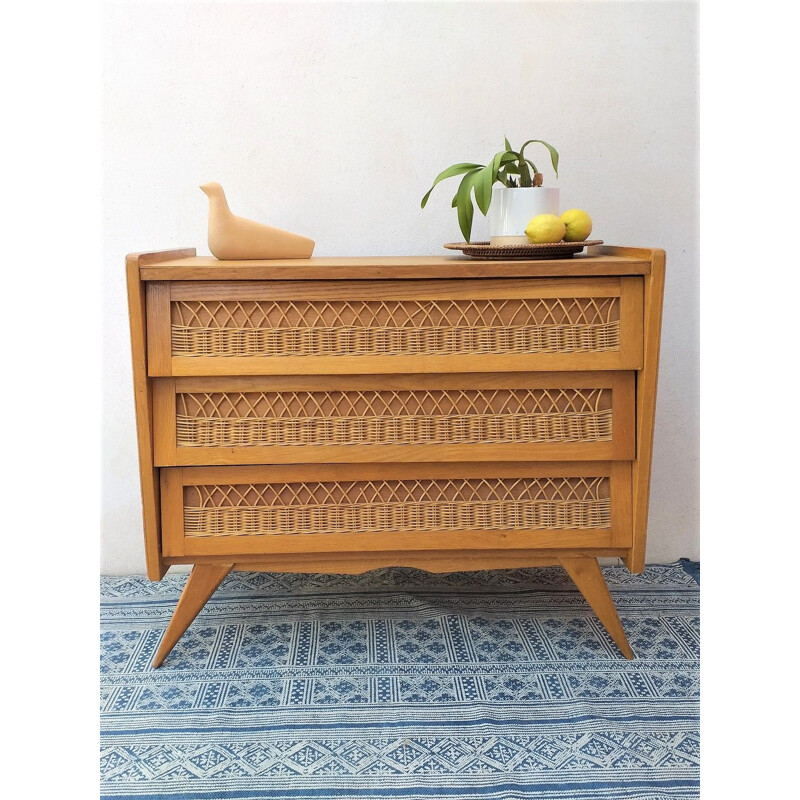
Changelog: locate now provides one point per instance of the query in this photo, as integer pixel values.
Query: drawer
(200, 328)
(546, 416)
(266, 510)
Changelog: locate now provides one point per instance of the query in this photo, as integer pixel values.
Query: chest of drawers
(339, 415)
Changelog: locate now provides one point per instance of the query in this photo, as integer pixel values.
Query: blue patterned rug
(401, 684)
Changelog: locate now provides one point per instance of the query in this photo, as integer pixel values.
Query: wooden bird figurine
(234, 238)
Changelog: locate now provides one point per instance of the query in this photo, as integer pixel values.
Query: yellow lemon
(545, 228)
(578, 224)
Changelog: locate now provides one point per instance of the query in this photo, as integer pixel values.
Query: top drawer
(356, 327)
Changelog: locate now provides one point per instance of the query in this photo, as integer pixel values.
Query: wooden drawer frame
(176, 544)
(620, 447)
(162, 294)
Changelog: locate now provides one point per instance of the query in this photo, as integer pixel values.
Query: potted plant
(510, 205)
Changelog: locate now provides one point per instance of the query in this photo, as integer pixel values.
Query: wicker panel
(384, 417)
(375, 506)
(393, 327)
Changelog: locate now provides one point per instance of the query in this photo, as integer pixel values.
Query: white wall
(332, 120)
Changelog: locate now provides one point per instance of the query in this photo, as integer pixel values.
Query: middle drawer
(528, 416)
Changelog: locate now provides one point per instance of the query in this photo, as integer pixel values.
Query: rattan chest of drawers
(338, 415)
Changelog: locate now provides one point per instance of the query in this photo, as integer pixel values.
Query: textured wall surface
(332, 120)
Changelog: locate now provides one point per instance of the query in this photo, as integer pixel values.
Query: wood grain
(621, 510)
(627, 356)
(390, 453)
(399, 364)
(623, 410)
(349, 563)
(243, 291)
(620, 446)
(143, 405)
(164, 422)
(428, 561)
(400, 382)
(630, 323)
(646, 386)
(195, 476)
(159, 330)
(358, 543)
(172, 511)
(201, 584)
(588, 577)
(149, 257)
(391, 267)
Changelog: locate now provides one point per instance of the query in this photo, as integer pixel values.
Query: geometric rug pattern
(402, 684)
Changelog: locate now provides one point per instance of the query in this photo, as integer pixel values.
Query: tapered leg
(588, 577)
(203, 580)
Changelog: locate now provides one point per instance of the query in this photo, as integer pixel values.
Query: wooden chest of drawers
(338, 415)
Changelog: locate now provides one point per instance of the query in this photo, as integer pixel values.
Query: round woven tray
(522, 251)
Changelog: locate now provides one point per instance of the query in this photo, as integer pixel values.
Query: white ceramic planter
(513, 208)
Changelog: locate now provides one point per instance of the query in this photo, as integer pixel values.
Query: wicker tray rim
(487, 246)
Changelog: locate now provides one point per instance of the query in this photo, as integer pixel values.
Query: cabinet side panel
(646, 383)
(143, 401)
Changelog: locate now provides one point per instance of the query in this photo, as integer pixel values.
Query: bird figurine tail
(233, 238)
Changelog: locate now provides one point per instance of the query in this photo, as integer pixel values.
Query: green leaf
(456, 169)
(464, 203)
(508, 144)
(506, 172)
(483, 192)
(494, 166)
(533, 167)
(524, 174)
(499, 159)
(553, 152)
(483, 187)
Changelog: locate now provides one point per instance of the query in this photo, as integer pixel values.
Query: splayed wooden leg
(588, 577)
(203, 581)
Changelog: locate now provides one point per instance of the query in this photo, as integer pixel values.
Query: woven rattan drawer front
(314, 508)
(344, 327)
(468, 417)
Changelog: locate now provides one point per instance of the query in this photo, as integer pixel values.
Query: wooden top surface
(189, 267)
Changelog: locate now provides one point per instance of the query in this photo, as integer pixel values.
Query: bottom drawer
(394, 507)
